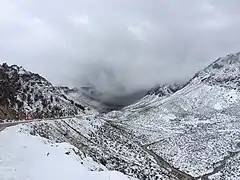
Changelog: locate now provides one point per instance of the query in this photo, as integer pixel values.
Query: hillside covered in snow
(35, 158)
(196, 129)
(184, 132)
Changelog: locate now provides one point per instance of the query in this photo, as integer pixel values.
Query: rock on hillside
(166, 89)
(225, 71)
(25, 95)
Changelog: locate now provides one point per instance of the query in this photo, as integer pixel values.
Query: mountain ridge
(27, 95)
(195, 129)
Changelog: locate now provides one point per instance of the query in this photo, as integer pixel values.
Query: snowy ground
(196, 129)
(27, 157)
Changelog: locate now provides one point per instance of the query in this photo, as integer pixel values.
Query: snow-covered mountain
(196, 129)
(224, 71)
(27, 95)
(183, 133)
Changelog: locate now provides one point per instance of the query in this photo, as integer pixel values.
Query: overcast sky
(134, 43)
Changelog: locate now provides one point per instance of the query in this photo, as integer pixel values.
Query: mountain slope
(192, 133)
(106, 144)
(28, 95)
(224, 71)
(195, 129)
(34, 158)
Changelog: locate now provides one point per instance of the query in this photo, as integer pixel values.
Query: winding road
(8, 124)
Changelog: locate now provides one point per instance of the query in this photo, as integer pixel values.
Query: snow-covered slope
(27, 95)
(225, 71)
(195, 129)
(27, 157)
(105, 143)
(192, 133)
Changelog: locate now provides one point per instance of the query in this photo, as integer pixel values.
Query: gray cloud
(117, 44)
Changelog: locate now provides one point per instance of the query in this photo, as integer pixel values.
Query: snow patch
(27, 157)
(218, 106)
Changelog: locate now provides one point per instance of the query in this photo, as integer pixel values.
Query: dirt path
(162, 163)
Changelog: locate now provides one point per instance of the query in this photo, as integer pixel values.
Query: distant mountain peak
(165, 89)
(225, 71)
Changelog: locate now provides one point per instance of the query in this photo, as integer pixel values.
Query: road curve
(5, 125)
(8, 124)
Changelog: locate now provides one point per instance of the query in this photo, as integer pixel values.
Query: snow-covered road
(13, 123)
(5, 125)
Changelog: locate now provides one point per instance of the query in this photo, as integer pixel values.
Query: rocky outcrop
(165, 89)
(25, 95)
(225, 71)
